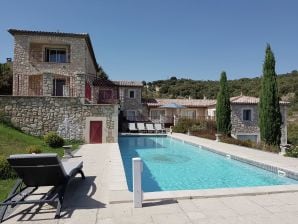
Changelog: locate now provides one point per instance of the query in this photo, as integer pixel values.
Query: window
(59, 87)
(157, 114)
(35, 85)
(247, 115)
(105, 94)
(131, 115)
(57, 55)
(188, 114)
(132, 94)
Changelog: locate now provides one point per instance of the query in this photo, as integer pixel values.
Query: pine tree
(223, 107)
(269, 111)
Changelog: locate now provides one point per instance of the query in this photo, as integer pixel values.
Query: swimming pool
(169, 164)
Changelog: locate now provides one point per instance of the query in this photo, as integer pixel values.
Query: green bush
(293, 133)
(292, 152)
(53, 140)
(5, 170)
(33, 149)
(185, 124)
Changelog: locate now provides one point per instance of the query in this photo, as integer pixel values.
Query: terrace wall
(66, 115)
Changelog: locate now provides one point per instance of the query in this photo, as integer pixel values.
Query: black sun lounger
(36, 170)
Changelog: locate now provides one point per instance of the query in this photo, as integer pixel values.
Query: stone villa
(57, 87)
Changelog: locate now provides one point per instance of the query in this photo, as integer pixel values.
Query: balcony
(58, 57)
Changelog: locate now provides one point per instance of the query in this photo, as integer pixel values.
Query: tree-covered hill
(184, 88)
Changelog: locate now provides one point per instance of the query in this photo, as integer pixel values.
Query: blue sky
(156, 39)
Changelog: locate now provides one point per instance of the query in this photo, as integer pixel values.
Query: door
(95, 131)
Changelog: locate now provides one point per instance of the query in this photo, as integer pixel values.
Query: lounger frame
(55, 195)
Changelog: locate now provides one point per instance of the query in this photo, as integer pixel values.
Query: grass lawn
(5, 186)
(13, 141)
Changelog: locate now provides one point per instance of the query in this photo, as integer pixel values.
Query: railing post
(137, 169)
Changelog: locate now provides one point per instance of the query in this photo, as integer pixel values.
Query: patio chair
(141, 127)
(159, 128)
(150, 127)
(132, 127)
(36, 170)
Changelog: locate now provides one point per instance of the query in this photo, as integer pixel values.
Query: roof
(183, 102)
(103, 82)
(203, 102)
(249, 100)
(129, 83)
(59, 34)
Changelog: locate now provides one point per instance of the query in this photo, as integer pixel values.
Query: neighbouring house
(245, 118)
(194, 109)
(130, 98)
(244, 114)
(56, 88)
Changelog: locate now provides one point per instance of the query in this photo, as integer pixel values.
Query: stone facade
(65, 115)
(132, 104)
(29, 60)
(242, 129)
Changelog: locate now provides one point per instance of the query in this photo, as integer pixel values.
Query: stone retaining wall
(65, 115)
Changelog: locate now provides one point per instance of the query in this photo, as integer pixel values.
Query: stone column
(80, 85)
(47, 84)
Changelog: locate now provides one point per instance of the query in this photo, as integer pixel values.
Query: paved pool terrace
(103, 197)
(265, 160)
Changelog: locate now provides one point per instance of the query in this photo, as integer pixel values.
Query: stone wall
(65, 115)
(131, 103)
(240, 127)
(29, 60)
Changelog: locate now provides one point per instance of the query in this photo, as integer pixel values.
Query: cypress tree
(223, 107)
(269, 111)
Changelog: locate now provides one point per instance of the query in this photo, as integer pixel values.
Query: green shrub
(185, 124)
(292, 152)
(5, 170)
(53, 140)
(293, 133)
(33, 149)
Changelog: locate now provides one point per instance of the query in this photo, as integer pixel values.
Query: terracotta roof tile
(249, 100)
(128, 83)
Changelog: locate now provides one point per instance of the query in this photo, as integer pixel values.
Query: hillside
(184, 88)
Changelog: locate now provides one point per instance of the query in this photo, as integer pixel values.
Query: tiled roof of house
(249, 100)
(60, 34)
(203, 102)
(183, 102)
(103, 82)
(129, 83)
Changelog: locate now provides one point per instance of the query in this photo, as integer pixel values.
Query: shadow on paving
(162, 202)
(79, 195)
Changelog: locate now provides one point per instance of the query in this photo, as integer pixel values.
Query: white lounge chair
(132, 127)
(141, 127)
(150, 127)
(159, 128)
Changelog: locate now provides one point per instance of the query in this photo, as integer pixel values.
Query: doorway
(95, 132)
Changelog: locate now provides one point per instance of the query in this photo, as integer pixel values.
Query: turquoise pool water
(173, 165)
